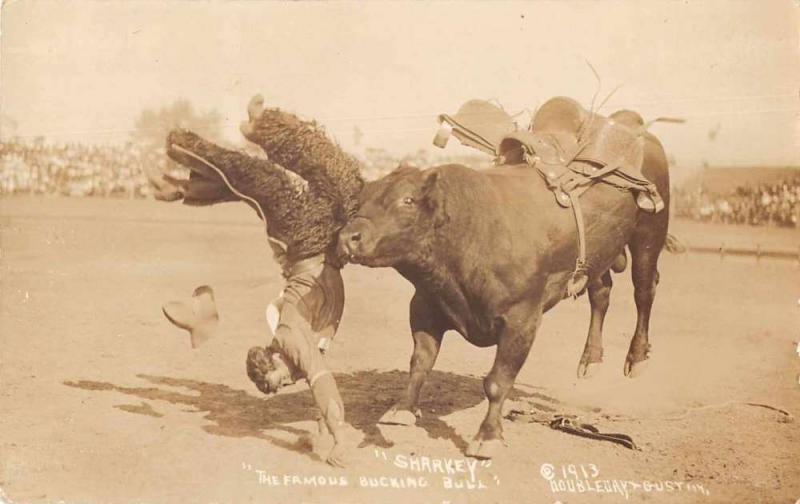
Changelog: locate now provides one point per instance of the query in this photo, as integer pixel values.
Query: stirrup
(579, 279)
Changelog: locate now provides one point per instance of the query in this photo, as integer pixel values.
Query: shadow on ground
(367, 394)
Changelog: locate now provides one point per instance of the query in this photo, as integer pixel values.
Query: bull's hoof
(588, 369)
(590, 361)
(635, 369)
(399, 417)
(484, 449)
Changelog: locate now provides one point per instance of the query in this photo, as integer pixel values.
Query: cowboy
(303, 320)
(306, 191)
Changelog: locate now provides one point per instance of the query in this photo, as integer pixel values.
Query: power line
(234, 127)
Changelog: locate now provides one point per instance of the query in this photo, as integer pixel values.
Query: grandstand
(726, 179)
(743, 195)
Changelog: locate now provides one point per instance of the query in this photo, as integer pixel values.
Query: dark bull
(489, 252)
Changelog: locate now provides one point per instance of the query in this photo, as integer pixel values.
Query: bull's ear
(433, 198)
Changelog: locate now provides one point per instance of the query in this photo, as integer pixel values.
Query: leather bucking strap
(570, 424)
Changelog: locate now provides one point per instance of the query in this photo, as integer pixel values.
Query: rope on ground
(786, 416)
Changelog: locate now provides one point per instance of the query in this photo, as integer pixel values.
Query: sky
(83, 70)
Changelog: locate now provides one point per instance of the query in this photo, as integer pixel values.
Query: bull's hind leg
(645, 249)
(599, 296)
(512, 349)
(427, 329)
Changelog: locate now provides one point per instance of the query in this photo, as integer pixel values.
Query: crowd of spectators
(121, 170)
(76, 169)
(775, 204)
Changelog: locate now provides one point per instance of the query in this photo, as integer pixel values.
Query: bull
(488, 253)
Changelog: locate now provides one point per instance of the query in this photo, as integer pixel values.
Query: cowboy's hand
(345, 438)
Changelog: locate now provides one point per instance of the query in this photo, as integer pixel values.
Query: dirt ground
(105, 402)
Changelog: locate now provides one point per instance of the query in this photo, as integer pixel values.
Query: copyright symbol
(547, 471)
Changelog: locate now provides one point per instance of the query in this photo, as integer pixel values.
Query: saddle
(572, 149)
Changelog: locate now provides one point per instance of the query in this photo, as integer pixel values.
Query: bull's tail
(673, 245)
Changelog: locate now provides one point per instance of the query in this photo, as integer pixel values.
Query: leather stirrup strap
(580, 278)
(602, 172)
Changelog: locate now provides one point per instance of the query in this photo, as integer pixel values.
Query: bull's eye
(408, 201)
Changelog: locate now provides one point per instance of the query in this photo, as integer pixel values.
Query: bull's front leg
(514, 343)
(427, 329)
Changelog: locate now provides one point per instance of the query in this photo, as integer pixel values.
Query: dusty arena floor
(105, 402)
